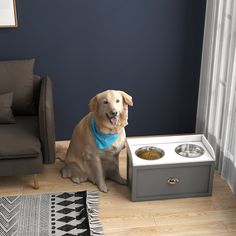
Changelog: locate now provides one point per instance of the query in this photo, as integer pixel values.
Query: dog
(97, 140)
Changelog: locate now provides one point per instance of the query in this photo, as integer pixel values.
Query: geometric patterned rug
(54, 214)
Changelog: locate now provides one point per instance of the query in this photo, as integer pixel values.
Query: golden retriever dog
(98, 139)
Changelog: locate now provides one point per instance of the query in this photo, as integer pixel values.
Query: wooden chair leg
(36, 181)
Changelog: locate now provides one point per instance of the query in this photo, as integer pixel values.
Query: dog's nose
(114, 113)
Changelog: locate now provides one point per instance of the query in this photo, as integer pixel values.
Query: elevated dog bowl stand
(172, 175)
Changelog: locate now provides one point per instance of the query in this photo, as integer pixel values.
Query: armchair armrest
(46, 121)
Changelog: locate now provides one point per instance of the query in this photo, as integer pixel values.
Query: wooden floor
(215, 215)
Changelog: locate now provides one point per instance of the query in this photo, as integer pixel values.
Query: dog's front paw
(103, 188)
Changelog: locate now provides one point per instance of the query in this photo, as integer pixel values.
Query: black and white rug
(54, 214)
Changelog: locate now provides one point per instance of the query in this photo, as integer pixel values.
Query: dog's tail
(61, 149)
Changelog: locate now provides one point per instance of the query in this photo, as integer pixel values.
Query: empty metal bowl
(189, 150)
(150, 153)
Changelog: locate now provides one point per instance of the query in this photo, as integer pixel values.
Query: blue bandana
(103, 141)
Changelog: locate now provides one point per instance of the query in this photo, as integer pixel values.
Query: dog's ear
(92, 104)
(127, 98)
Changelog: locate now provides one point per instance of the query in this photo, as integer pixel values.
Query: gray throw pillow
(6, 116)
(17, 77)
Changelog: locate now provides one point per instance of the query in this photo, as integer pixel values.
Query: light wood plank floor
(215, 215)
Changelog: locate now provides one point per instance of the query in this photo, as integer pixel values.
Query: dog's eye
(117, 100)
(105, 102)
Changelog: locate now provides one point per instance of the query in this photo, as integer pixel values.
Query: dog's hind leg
(79, 176)
(66, 171)
(115, 176)
(74, 172)
(113, 172)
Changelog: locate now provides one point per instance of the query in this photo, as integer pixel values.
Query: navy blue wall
(149, 48)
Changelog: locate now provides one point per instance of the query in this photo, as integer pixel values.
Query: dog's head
(111, 110)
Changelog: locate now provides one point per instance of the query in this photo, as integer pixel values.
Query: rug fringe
(93, 213)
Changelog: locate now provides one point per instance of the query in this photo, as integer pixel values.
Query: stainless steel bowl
(150, 153)
(189, 150)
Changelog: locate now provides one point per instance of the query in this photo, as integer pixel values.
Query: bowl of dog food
(150, 153)
(189, 150)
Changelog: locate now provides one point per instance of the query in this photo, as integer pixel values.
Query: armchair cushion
(20, 140)
(17, 77)
(6, 116)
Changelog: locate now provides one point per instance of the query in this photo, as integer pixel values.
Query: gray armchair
(27, 135)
